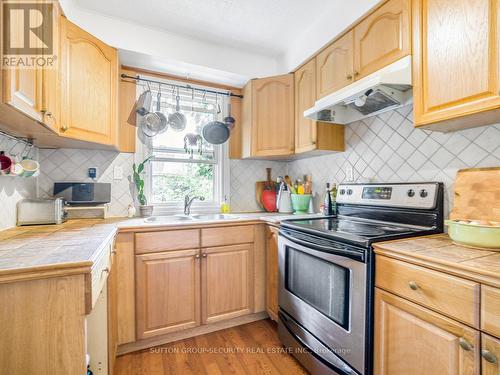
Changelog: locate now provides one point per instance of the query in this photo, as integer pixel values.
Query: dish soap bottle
(224, 207)
(333, 198)
(327, 201)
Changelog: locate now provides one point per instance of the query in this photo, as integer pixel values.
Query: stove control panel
(421, 195)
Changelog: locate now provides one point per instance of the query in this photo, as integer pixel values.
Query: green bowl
(483, 236)
(300, 203)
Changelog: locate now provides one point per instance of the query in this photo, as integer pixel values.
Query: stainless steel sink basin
(214, 217)
(168, 219)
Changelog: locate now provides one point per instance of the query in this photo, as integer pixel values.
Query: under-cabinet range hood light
(386, 89)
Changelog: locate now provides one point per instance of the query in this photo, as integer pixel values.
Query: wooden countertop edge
(45, 271)
(167, 227)
(456, 269)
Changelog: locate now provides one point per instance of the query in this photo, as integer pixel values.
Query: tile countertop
(440, 253)
(76, 243)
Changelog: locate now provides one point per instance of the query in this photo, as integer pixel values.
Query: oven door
(323, 287)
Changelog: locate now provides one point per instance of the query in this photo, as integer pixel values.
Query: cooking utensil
(150, 124)
(163, 125)
(143, 104)
(269, 193)
(216, 132)
(477, 194)
(475, 233)
(229, 120)
(177, 120)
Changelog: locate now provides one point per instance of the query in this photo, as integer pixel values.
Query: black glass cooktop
(362, 232)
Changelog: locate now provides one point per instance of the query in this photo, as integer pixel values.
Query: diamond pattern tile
(392, 150)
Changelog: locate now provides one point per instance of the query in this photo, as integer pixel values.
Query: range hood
(386, 89)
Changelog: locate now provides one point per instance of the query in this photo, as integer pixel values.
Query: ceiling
(261, 26)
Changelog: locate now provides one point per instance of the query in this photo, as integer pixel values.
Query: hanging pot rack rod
(27, 141)
(173, 85)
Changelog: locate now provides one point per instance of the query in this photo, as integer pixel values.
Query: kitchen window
(181, 167)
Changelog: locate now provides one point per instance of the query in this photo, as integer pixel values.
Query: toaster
(40, 211)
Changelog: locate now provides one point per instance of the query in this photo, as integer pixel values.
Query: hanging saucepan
(229, 120)
(216, 132)
(143, 104)
(177, 120)
(150, 124)
(162, 127)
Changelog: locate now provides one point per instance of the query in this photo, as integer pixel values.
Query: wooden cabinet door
(272, 116)
(272, 272)
(410, 339)
(382, 38)
(305, 96)
(456, 62)
(490, 353)
(334, 66)
(167, 292)
(89, 83)
(227, 282)
(22, 87)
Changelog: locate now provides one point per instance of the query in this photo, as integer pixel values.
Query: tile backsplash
(13, 189)
(71, 165)
(387, 148)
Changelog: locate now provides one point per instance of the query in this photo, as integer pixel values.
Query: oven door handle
(342, 251)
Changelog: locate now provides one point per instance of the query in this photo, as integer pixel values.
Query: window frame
(221, 177)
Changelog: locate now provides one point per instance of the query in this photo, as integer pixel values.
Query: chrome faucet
(188, 202)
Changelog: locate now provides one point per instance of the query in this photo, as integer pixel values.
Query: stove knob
(423, 193)
(342, 191)
(411, 193)
(349, 191)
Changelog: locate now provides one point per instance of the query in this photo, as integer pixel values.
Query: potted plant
(144, 209)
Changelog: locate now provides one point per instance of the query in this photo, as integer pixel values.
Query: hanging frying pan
(216, 132)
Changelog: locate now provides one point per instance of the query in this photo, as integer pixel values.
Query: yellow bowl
(483, 236)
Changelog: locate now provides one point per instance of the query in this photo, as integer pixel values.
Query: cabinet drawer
(490, 310)
(455, 297)
(154, 242)
(100, 271)
(211, 237)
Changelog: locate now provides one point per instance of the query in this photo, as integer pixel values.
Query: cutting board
(260, 186)
(477, 194)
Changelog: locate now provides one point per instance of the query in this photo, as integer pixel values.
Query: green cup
(300, 203)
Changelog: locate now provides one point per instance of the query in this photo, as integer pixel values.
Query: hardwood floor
(250, 349)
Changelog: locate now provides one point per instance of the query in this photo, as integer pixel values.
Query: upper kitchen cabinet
(382, 38)
(456, 63)
(268, 117)
(89, 84)
(311, 135)
(334, 66)
(34, 91)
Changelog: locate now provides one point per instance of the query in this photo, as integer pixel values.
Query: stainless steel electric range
(326, 268)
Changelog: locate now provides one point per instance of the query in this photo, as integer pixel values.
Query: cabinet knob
(488, 356)
(46, 113)
(464, 344)
(197, 256)
(113, 251)
(105, 270)
(349, 76)
(356, 74)
(204, 255)
(413, 285)
(64, 128)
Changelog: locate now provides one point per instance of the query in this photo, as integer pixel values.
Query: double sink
(184, 218)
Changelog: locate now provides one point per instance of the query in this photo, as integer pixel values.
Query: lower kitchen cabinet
(112, 312)
(272, 272)
(167, 292)
(227, 282)
(490, 353)
(410, 339)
